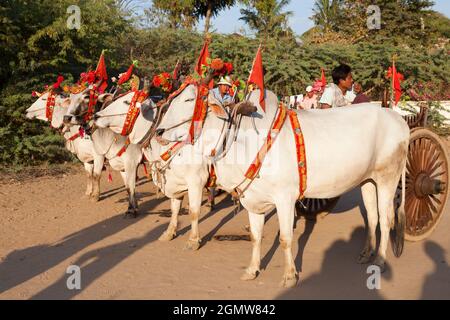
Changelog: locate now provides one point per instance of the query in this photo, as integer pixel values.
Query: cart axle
(425, 186)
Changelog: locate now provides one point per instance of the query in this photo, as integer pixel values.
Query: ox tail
(400, 220)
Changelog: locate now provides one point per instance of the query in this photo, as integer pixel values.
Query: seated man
(360, 96)
(222, 93)
(338, 93)
(310, 100)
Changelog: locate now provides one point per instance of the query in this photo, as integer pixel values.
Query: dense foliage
(36, 46)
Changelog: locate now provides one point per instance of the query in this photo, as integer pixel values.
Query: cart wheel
(314, 208)
(427, 178)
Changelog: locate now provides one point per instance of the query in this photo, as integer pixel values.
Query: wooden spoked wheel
(312, 208)
(427, 180)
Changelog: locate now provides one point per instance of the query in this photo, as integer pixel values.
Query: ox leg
(89, 170)
(171, 232)
(386, 194)
(369, 194)
(256, 229)
(195, 201)
(211, 196)
(286, 214)
(124, 178)
(98, 167)
(131, 174)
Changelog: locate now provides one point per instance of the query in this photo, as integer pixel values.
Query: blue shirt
(218, 96)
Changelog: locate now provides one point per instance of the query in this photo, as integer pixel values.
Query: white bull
(174, 180)
(345, 147)
(81, 147)
(108, 144)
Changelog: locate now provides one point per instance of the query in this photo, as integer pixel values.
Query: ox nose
(159, 132)
(96, 117)
(67, 119)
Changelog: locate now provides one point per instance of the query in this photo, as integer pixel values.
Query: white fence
(415, 105)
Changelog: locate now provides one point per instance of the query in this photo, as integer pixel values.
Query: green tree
(173, 14)
(403, 22)
(326, 14)
(186, 13)
(267, 17)
(36, 46)
(210, 8)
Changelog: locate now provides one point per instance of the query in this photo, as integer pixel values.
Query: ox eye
(189, 100)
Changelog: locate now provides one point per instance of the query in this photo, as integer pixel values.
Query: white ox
(81, 147)
(345, 147)
(108, 144)
(174, 180)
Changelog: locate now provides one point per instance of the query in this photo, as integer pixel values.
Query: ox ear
(104, 100)
(104, 97)
(218, 111)
(66, 103)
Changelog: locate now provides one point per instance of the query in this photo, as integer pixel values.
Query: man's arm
(326, 101)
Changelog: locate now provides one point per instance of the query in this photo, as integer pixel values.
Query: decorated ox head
(179, 111)
(78, 107)
(38, 109)
(176, 121)
(114, 116)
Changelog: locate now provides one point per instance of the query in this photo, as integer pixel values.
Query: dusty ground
(47, 226)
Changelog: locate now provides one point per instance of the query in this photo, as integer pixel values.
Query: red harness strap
(271, 138)
(93, 97)
(301, 151)
(49, 107)
(186, 83)
(133, 112)
(124, 148)
(198, 119)
(173, 150)
(299, 146)
(79, 134)
(201, 107)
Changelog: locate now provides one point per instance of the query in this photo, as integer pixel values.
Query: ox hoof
(193, 245)
(365, 257)
(95, 197)
(289, 281)
(380, 262)
(131, 214)
(249, 275)
(167, 236)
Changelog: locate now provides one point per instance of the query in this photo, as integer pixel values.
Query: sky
(228, 21)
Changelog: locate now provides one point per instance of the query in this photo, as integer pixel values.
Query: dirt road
(47, 226)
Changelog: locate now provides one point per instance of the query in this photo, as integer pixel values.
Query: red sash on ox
(93, 97)
(198, 119)
(255, 167)
(133, 112)
(270, 140)
(50, 105)
(301, 151)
